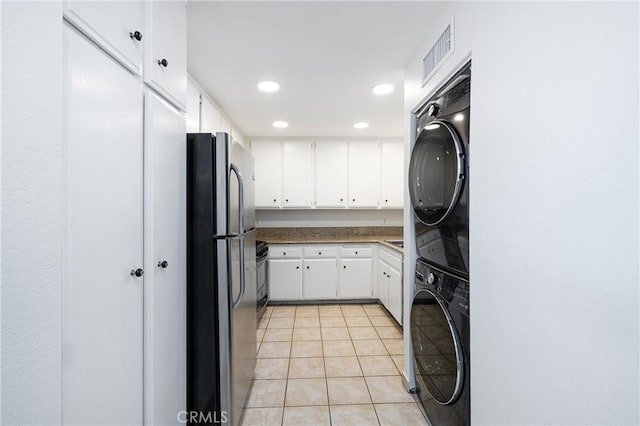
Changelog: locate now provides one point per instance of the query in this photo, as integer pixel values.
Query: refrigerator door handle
(236, 171)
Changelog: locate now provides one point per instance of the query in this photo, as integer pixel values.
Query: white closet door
(118, 26)
(165, 51)
(103, 303)
(165, 258)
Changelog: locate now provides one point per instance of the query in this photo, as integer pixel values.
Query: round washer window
(436, 172)
(436, 349)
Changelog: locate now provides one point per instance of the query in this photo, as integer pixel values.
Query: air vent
(441, 50)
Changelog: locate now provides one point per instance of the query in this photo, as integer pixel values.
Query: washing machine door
(436, 172)
(437, 351)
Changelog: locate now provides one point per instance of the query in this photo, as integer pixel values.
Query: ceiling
(326, 56)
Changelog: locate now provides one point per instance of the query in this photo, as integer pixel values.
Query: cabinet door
(364, 174)
(356, 278)
(165, 286)
(225, 126)
(209, 117)
(297, 174)
(383, 284)
(102, 301)
(268, 170)
(392, 179)
(193, 108)
(395, 294)
(319, 279)
(331, 174)
(285, 279)
(166, 52)
(112, 25)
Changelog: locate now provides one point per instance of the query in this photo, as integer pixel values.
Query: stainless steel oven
(263, 285)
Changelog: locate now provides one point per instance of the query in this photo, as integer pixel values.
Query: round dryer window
(439, 360)
(436, 172)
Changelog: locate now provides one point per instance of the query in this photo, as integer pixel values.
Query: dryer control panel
(452, 290)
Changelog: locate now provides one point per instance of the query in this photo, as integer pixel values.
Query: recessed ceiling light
(268, 86)
(280, 124)
(382, 89)
(361, 125)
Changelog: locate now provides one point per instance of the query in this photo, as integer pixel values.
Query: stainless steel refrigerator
(221, 278)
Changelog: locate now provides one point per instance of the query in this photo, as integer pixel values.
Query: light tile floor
(330, 365)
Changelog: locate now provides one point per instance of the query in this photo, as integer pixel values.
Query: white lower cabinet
(329, 272)
(356, 278)
(285, 279)
(319, 279)
(390, 282)
(383, 284)
(394, 305)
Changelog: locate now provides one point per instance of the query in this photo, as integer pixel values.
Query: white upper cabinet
(331, 174)
(268, 170)
(193, 108)
(391, 174)
(328, 174)
(117, 27)
(364, 174)
(297, 168)
(225, 126)
(165, 52)
(209, 117)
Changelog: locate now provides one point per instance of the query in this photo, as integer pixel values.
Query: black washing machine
(439, 176)
(440, 338)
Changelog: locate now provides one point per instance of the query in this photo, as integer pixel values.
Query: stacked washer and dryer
(439, 192)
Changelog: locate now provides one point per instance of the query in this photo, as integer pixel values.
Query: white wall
(554, 208)
(31, 212)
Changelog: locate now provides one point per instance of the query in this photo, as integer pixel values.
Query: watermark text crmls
(194, 417)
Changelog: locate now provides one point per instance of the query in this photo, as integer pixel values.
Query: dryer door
(436, 172)
(438, 354)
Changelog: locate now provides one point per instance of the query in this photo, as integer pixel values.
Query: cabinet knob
(274, 200)
(307, 267)
(137, 272)
(341, 199)
(163, 62)
(286, 201)
(297, 267)
(319, 252)
(386, 201)
(356, 252)
(137, 35)
(163, 264)
(353, 199)
(344, 266)
(284, 253)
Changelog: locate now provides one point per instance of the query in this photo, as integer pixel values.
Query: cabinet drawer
(356, 252)
(285, 252)
(320, 252)
(393, 260)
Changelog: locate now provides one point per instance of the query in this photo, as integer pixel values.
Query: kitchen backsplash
(327, 232)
